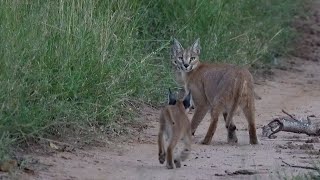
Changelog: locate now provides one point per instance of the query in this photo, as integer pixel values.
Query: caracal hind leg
(231, 127)
(187, 140)
(248, 111)
(172, 145)
(177, 162)
(213, 125)
(200, 112)
(161, 151)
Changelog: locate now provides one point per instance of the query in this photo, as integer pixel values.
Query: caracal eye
(180, 58)
(192, 58)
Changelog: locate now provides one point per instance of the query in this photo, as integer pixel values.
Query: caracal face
(186, 59)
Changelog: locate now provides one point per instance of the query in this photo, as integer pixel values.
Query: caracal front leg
(187, 141)
(213, 126)
(200, 112)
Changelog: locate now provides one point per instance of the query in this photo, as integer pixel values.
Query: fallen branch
(290, 124)
(54, 141)
(238, 172)
(303, 167)
(66, 147)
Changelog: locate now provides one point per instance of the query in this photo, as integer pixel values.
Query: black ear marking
(186, 101)
(171, 98)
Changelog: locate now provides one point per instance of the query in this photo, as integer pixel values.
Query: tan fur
(175, 125)
(218, 88)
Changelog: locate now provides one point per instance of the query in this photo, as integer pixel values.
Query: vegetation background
(78, 63)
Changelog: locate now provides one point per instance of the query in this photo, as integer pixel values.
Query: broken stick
(238, 172)
(303, 167)
(290, 124)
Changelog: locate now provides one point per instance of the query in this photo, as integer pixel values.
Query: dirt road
(296, 89)
(295, 86)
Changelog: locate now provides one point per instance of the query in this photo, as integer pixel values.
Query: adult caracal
(175, 126)
(216, 88)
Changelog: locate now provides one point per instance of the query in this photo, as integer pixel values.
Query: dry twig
(289, 115)
(303, 167)
(238, 172)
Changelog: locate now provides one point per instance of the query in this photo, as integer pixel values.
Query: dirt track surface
(295, 87)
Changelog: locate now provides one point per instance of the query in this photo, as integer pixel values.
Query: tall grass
(231, 31)
(80, 62)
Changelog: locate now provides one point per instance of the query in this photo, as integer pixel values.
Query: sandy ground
(294, 86)
(295, 90)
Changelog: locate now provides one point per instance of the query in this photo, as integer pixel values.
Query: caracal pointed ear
(171, 98)
(196, 46)
(176, 47)
(187, 101)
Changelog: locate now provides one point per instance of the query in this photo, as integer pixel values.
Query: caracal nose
(186, 65)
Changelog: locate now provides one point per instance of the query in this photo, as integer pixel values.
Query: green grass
(80, 62)
(312, 175)
(5, 144)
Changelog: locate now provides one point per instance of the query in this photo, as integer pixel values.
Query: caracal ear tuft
(171, 98)
(176, 47)
(187, 101)
(196, 46)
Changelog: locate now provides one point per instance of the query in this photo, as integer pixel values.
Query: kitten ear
(176, 47)
(171, 98)
(196, 46)
(186, 101)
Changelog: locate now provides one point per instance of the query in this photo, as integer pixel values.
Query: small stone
(284, 68)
